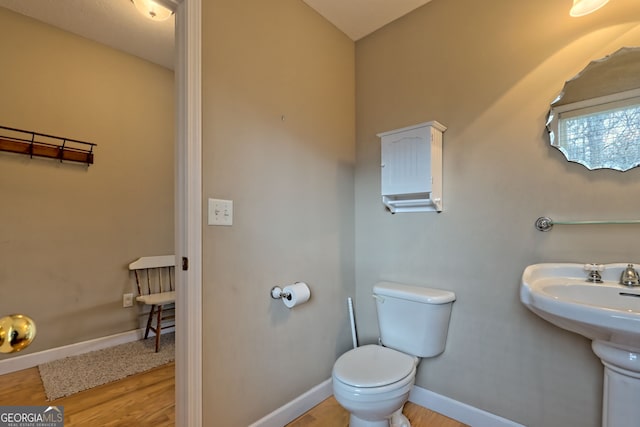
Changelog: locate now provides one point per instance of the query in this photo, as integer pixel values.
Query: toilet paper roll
(299, 293)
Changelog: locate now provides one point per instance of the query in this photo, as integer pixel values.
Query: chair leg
(149, 319)
(158, 327)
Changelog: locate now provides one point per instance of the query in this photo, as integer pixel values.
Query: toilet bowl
(373, 383)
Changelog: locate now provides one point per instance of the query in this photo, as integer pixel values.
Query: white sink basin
(560, 294)
(608, 313)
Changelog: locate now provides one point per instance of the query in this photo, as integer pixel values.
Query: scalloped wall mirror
(595, 121)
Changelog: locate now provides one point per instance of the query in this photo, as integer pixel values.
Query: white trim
(30, 360)
(606, 99)
(459, 411)
(292, 410)
(188, 216)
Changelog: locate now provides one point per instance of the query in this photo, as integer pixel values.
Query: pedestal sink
(607, 313)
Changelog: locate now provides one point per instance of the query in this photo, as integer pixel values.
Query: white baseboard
(298, 406)
(20, 362)
(459, 411)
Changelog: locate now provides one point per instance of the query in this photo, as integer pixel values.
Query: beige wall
(488, 71)
(291, 182)
(67, 231)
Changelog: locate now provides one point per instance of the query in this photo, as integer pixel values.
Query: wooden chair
(155, 277)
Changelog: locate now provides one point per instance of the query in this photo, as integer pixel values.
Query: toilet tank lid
(413, 293)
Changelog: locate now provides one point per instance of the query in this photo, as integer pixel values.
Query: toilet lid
(372, 366)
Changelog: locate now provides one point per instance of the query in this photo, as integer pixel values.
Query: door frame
(188, 211)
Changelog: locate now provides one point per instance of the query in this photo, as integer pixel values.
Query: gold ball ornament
(17, 331)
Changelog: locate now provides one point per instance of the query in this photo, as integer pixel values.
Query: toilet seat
(373, 366)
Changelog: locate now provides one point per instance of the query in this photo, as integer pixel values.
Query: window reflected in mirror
(596, 119)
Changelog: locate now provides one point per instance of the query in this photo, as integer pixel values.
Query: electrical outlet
(127, 300)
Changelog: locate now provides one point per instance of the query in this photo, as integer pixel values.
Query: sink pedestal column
(621, 394)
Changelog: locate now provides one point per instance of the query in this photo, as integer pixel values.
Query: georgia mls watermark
(31, 416)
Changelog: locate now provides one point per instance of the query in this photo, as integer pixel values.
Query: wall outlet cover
(127, 300)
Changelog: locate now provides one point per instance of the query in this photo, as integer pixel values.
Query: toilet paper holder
(292, 295)
(277, 293)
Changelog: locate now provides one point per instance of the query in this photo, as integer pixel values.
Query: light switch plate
(220, 212)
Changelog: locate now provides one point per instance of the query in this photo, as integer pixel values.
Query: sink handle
(594, 267)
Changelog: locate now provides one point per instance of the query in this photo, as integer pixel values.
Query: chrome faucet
(594, 272)
(629, 276)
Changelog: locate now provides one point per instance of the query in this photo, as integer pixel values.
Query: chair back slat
(148, 280)
(137, 282)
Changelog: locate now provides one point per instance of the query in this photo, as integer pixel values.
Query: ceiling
(358, 18)
(117, 23)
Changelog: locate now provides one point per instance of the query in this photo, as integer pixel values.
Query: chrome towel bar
(544, 223)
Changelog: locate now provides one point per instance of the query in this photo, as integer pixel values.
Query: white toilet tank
(413, 319)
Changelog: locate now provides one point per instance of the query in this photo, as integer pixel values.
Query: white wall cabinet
(412, 168)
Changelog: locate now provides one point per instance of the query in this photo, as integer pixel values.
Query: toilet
(373, 382)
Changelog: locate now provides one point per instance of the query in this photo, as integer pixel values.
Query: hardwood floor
(148, 399)
(329, 413)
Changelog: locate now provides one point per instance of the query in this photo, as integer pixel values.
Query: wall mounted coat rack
(43, 145)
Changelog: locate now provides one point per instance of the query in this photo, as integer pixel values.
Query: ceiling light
(152, 10)
(585, 7)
